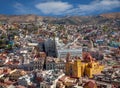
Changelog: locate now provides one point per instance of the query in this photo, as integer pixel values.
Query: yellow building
(93, 68)
(73, 69)
(78, 69)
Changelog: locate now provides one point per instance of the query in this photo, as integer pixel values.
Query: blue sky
(58, 7)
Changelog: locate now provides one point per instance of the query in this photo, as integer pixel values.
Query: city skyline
(59, 7)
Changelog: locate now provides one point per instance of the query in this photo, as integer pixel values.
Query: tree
(1, 42)
(105, 29)
(3, 36)
(9, 47)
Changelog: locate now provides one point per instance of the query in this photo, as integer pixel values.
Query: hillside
(111, 15)
(21, 18)
(75, 20)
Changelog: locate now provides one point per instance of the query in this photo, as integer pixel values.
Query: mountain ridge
(61, 20)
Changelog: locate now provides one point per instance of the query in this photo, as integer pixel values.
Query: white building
(25, 80)
(62, 49)
(50, 80)
(73, 52)
(55, 48)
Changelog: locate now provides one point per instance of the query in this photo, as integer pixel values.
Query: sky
(59, 7)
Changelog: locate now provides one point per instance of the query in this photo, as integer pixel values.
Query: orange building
(90, 84)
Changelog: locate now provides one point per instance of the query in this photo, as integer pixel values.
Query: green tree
(105, 29)
(8, 47)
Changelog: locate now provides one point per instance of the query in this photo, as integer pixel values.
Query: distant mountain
(75, 20)
(21, 18)
(111, 15)
(103, 18)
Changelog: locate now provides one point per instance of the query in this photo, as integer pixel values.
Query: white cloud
(22, 9)
(99, 6)
(54, 7)
(64, 8)
(19, 8)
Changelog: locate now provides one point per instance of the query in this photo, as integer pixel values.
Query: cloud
(57, 7)
(19, 8)
(22, 9)
(99, 6)
(54, 7)
(64, 8)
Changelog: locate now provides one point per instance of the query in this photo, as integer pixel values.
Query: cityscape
(60, 50)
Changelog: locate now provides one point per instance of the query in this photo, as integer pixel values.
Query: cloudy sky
(59, 7)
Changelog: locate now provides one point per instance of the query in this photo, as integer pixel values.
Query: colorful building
(78, 68)
(90, 84)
